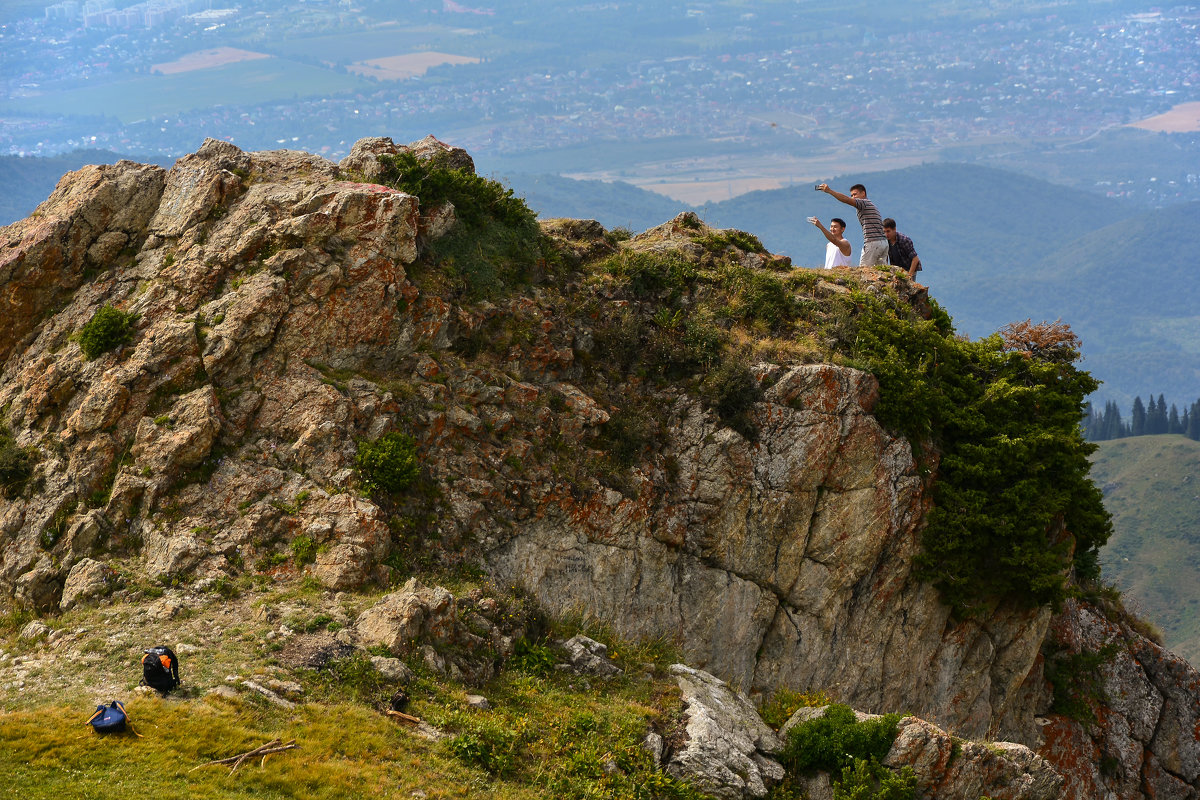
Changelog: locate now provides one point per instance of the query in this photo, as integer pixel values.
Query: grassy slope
(1151, 486)
(545, 733)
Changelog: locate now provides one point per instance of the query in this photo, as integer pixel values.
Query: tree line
(1102, 425)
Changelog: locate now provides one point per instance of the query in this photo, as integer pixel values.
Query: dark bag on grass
(160, 669)
(110, 718)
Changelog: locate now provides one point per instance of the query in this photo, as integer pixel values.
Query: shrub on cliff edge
(496, 245)
(1014, 509)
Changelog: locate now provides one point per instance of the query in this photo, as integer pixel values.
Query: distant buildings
(105, 14)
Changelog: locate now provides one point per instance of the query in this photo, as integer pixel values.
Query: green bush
(476, 200)
(487, 743)
(389, 464)
(16, 464)
(1077, 681)
(786, 702)
(834, 741)
(717, 241)
(649, 274)
(107, 329)
(758, 297)
(497, 245)
(353, 678)
(1012, 499)
(869, 780)
(304, 550)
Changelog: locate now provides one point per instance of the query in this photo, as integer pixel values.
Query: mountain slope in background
(613, 205)
(1151, 486)
(25, 181)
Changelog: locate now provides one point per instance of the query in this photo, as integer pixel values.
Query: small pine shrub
(833, 742)
(108, 329)
(389, 464)
(1012, 498)
(1077, 680)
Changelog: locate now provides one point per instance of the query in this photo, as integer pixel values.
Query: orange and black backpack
(160, 669)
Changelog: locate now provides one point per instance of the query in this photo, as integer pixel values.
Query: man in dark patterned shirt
(874, 251)
(901, 251)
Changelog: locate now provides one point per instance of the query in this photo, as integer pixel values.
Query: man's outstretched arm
(845, 198)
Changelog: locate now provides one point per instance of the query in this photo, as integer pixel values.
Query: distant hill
(25, 181)
(1151, 486)
(614, 205)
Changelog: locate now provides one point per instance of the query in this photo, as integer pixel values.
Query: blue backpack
(110, 718)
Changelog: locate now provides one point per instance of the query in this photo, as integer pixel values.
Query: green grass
(1151, 486)
(245, 83)
(50, 753)
(546, 734)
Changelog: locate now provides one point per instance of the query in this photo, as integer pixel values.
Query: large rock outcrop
(286, 311)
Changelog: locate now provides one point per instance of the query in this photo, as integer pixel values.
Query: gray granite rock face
(786, 562)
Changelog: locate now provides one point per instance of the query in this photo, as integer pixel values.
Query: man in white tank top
(837, 252)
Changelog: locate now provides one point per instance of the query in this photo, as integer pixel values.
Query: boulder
(88, 580)
(416, 613)
(729, 749)
(589, 657)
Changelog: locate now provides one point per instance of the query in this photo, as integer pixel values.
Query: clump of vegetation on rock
(496, 245)
(851, 751)
(388, 464)
(108, 329)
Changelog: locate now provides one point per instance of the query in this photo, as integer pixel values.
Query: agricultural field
(141, 97)
(384, 41)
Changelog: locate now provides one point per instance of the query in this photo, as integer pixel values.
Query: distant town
(715, 72)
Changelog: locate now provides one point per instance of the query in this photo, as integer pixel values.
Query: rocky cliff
(286, 310)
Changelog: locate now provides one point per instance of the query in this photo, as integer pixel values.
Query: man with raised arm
(875, 244)
(837, 252)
